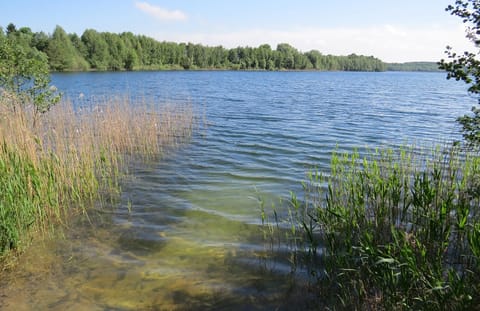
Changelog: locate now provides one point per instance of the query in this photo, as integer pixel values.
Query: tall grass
(393, 230)
(67, 159)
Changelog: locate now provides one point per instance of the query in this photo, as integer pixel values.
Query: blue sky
(393, 30)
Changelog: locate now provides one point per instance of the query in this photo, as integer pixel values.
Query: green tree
(22, 36)
(62, 54)
(131, 60)
(233, 57)
(79, 45)
(117, 51)
(132, 53)
(302, 62)
(11, 29)
(24, 78)
(286, 56)
(97, 53)
(263, 54)
(315, 58)
(465, 66)
(40, 41)
(199, 55)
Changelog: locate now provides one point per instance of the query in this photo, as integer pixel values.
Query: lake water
(186, 234)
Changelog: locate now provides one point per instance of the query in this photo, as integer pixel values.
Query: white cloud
(389, 43)
(161, 13)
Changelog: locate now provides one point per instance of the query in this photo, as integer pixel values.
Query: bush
(25, 78)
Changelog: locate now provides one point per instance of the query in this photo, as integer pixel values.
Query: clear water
(192, 238)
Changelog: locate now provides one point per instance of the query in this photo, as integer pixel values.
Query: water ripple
(265, 131)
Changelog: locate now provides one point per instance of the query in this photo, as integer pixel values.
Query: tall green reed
(392, 230)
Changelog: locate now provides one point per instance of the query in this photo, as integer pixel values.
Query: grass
(393, 230)
(72, 157)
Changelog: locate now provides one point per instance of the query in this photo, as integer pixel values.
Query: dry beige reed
(64, 160)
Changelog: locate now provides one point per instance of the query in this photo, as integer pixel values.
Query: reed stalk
(66, 160)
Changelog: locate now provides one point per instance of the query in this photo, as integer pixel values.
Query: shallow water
(185, 233)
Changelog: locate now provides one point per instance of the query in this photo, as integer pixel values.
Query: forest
(414, 66)
(105, 51)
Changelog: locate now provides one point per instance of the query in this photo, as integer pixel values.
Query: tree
(22, 36)
(97, 53)
(11, 29)
(286, 54)
(131, 42)
(466, 67)
(315, 59)
(117, 51)
(40, 41)
(24, 78)
(131, 60)
(62, 54)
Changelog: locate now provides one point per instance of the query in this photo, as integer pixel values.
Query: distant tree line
(413, 66)
(103, 51)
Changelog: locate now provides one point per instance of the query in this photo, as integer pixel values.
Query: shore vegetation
(389, 230)
(70, 159)
(57, 158)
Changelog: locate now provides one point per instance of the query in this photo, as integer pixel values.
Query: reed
(392, 230)
(69, 158)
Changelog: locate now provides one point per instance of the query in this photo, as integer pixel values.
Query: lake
(186, 233)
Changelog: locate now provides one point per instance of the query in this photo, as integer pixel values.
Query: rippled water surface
(186, 233)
